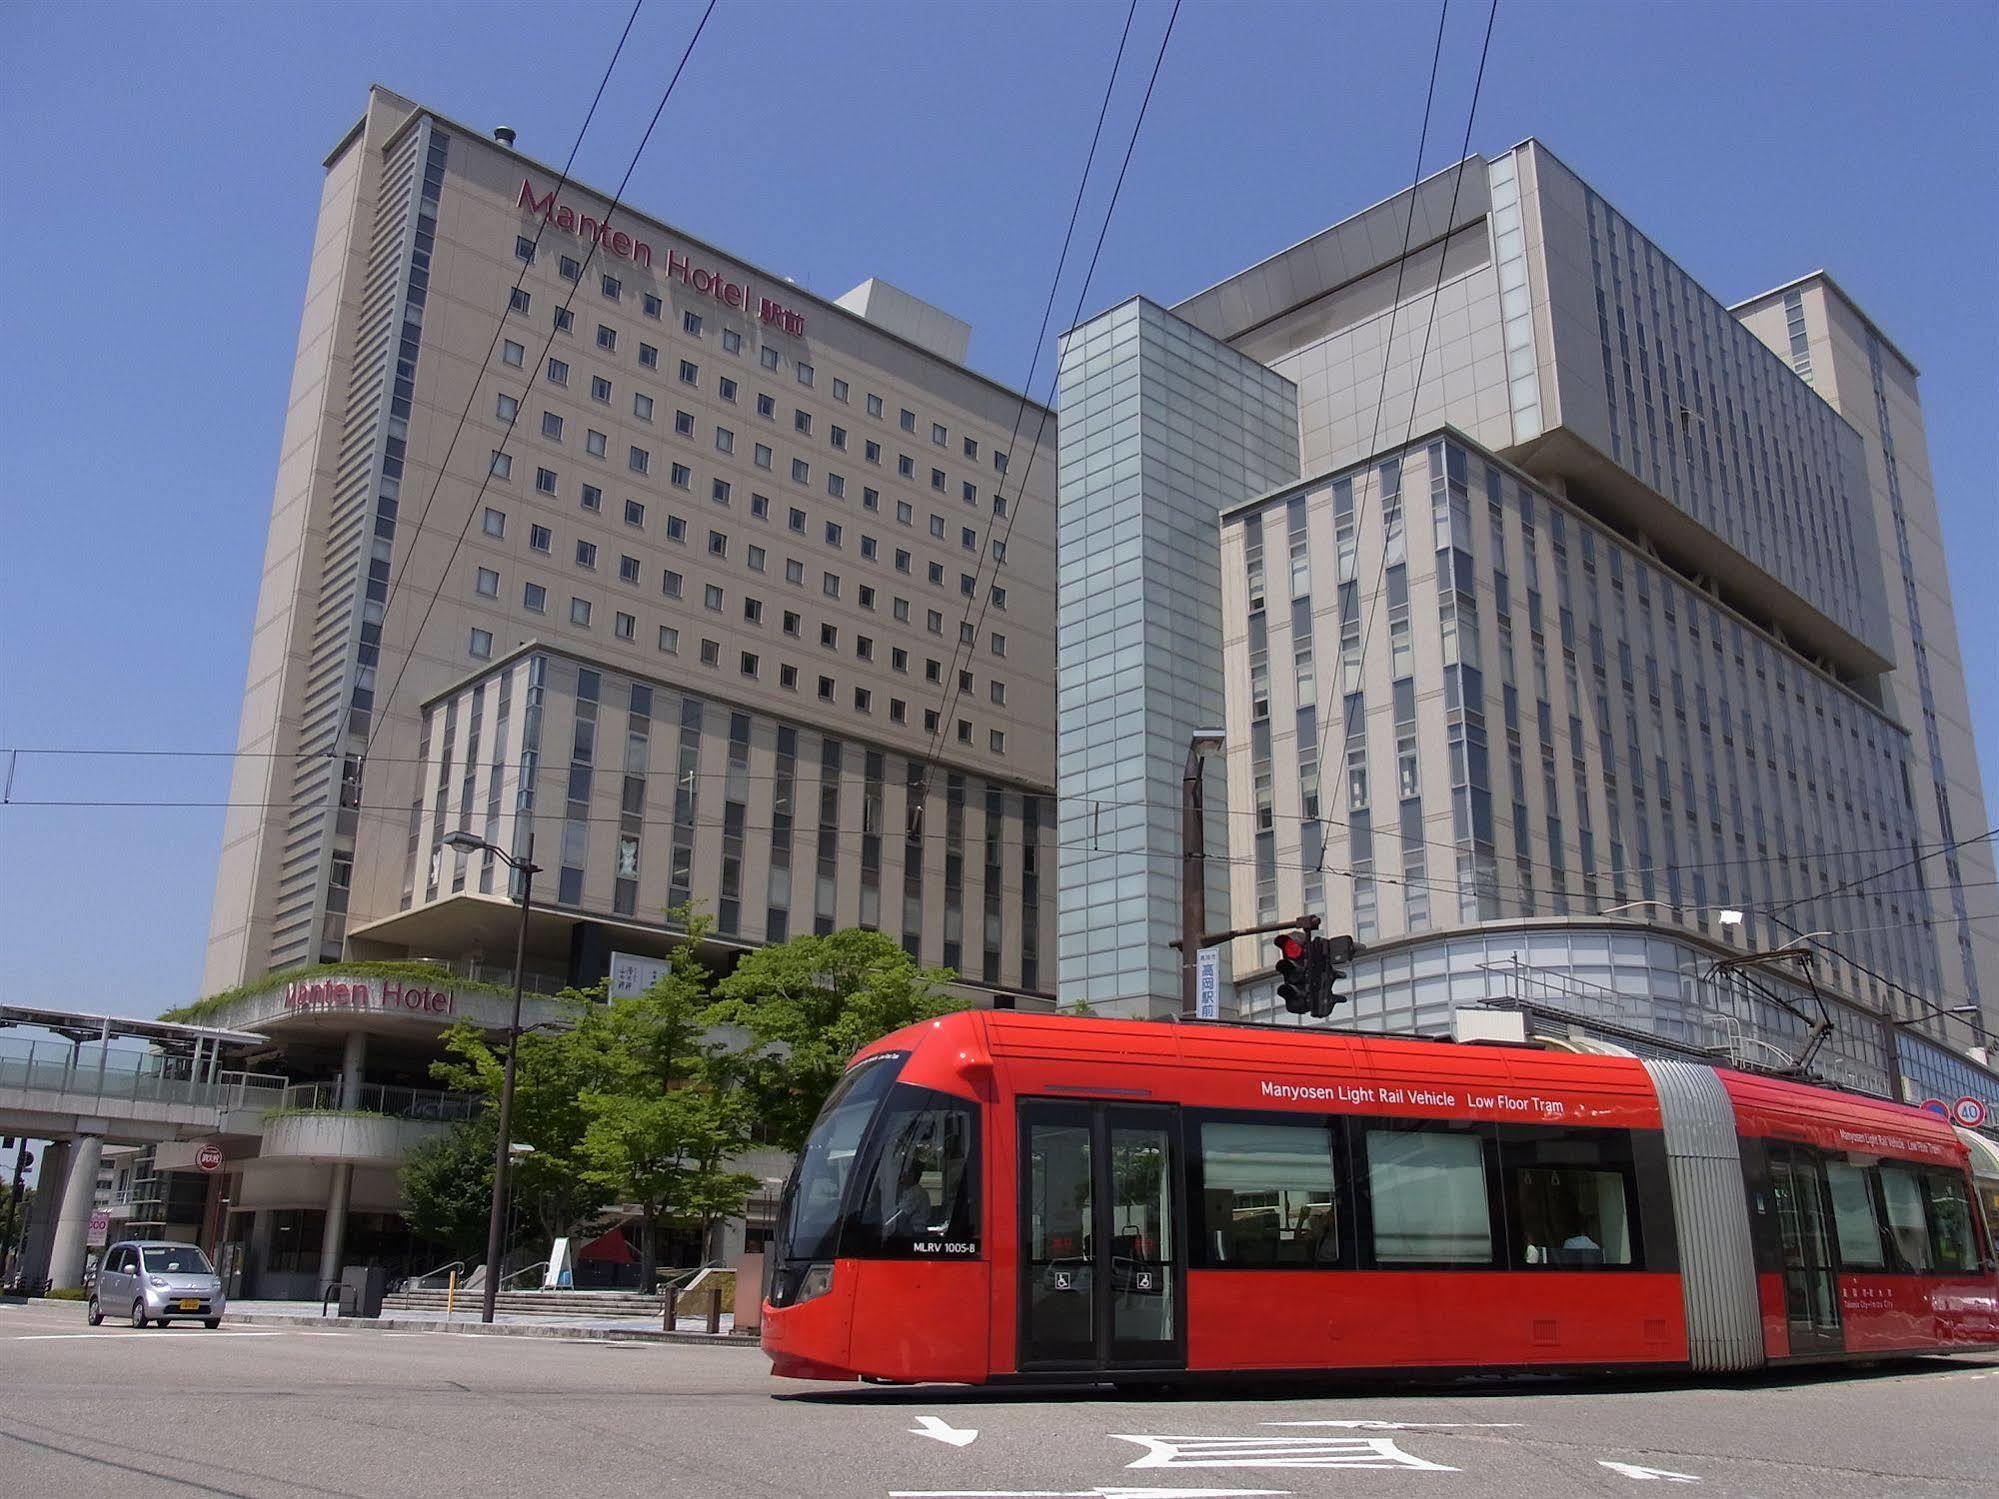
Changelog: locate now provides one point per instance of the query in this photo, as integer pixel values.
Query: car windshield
(175, 1259)
(810, 1215)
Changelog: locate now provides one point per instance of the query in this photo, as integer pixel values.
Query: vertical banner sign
(1208, 984)
(100, 1230)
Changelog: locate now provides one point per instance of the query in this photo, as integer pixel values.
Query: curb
(475, 1328)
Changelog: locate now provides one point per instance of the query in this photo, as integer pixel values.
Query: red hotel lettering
(699, 278)
(339, 994)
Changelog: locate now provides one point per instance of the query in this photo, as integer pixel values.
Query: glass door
(1811, 1285)
(1102, 1227)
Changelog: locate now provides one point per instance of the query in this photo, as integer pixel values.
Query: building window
(690, 372)
(648, 357)
(506, 408)
(569, 268)
(495, 522)
(907, 420)
(871, 499)
(540, 538)
(936, 574)
(720, 492)
(670, 584)
(801, 421)
(830, 585)
(669, 640)
(586, 554)
(482, 643)
(787, 676)
(753, 611)
(874, 405)
(641, 405)
(937, 526)
(676, 528)
(651, 304)
(794, 571)
(791, 622)
(836, 485)
(768, 357)
(732, 341)
(999, 644)
(593, 497)
(611, 289)
(801, 471)
(937, 479)
(971, 447)
(718, 544)
(825, 691)
(833, 533)
(964, 731)
(600, 388)
(625, 626)
(544, 480)
(683, 424)
(512, 353)
(863, 700)
(640, 460)
(579, 612)
(711, 597)
(996, 741)
(558, 372)
(904, 512)
(594, 442)
(905, 466)
(711, 653)
(534, 598)
(749, 663)
(760, 456)
(635, 513)
(725, 440)
(756, 559)
(518, 300)
(804, 373)
(487, 583)
(628, 569)
(938, 435)
(690, 324)
(565, 320)
(551, 426)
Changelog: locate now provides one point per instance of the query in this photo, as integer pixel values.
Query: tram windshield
(809, 1221)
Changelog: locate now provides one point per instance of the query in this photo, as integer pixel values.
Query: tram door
(1804, 1227)
(1103, 1230)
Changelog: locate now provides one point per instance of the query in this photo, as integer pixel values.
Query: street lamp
(470, 843)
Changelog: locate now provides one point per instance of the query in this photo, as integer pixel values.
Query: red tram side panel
(964, 1319)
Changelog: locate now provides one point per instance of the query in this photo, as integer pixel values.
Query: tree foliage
(447, 1186)
(807, 1006)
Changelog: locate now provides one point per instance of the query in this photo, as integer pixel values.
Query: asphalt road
(357, 1413)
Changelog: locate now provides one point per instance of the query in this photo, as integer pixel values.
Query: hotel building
(609, 547)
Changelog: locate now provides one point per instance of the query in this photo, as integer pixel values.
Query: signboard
(632, 975)
(390, 995)
(1208, 984)
(1937, 1107)
(100, 1230)
(1968, 1112)
(560, 1274)
(209, 1158)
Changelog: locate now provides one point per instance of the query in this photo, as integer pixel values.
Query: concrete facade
(674, 465)
(1584, 604)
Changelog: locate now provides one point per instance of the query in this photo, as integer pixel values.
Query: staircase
(593, 1305)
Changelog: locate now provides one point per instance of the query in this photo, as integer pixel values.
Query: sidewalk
(465, 1319)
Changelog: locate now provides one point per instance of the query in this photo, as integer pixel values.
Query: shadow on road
(1496, 1387)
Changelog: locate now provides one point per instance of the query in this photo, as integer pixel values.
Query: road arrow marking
(943, 1431)
(1632, 1470)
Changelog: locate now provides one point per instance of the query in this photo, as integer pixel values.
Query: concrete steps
(594, 1304)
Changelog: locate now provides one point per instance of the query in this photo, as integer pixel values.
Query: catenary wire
(953, 684)
(486, 479)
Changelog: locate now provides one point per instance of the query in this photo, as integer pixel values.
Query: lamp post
(470, 843)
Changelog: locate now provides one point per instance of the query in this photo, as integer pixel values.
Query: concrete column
(42, 1210)
(355, 1053)
(336, 1227)
(79, 1196)
(257, 1259)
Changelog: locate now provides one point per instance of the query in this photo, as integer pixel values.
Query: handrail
(537, 1265)
(409, 1281)
(331, 1293)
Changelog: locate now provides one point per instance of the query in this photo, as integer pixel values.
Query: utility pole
(1194, 862)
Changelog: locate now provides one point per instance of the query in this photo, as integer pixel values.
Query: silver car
(153, 1280)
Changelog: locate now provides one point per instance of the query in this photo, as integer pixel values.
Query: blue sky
(163, 190)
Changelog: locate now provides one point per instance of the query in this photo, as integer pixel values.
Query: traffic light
(1321, 974)
(1293, 973)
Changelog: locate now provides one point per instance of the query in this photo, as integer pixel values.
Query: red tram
(992, 1197)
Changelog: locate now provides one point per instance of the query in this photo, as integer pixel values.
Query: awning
(611, 1248)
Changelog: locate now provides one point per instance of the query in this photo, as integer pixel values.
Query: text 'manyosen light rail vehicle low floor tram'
(994, 1197)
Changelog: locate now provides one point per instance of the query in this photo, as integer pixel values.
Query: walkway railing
(382, 1098)
(116, 1075)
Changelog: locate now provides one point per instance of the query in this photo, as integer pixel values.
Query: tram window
(1427, 1191)
(1267, 1195)
(810, 1213)
(1853, 1216)
(1950, 1222)
(1902, 1190)
(919, 1195)
(1571, 1216)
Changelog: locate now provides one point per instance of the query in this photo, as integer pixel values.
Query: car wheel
(92, 1313)
(211, 1323)
(138, 1311)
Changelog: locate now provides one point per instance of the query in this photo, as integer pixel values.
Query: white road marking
(1104, 1493)
(943, 1431)
(1400, 1425)
(1275, 1452)
(56, 1337)
(1632, 1470)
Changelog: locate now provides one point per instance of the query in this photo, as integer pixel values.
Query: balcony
(430, 1104)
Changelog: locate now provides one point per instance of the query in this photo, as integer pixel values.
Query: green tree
(553, 1069)
(665, 1116)
(807, 1006)
(12, 1215)
(447, 1186)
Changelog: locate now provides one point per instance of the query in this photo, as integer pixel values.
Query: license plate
(190, 1305)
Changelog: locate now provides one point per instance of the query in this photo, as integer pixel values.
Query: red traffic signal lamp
(1293, 971)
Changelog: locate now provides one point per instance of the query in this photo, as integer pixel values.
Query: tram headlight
(816, 1281)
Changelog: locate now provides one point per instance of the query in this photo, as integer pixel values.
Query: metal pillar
(79, 1197)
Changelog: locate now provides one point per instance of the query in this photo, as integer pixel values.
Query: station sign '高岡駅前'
(617, 242)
